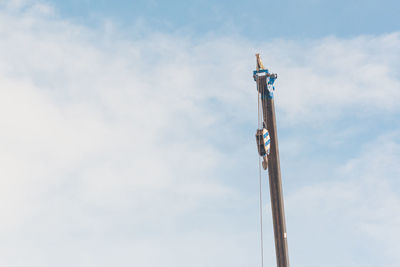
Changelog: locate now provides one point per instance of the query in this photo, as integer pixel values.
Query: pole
(274, 173)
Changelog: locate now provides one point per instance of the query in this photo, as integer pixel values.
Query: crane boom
(265, 81)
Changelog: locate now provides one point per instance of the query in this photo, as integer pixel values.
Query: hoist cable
(260, 180)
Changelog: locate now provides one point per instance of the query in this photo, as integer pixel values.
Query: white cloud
(128, 152)
(326, 78)
(360, 205)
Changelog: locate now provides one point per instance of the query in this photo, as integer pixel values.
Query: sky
(256, 19)
(127, 132)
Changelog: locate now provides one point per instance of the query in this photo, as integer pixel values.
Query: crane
(267, 144)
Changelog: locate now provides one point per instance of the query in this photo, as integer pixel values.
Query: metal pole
(274, 173)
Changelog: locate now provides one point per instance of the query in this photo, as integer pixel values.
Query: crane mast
(270, 153)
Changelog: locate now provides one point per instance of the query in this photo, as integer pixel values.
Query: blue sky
(128, 132)
(254, 19)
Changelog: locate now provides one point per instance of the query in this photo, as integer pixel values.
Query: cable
(261, 215)
(260, 181)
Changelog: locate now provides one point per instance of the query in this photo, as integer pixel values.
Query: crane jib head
(262, 71)
(267, 91)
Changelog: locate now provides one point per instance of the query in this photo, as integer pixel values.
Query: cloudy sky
(127, 132)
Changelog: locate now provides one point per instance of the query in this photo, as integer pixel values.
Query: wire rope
(259, 114)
